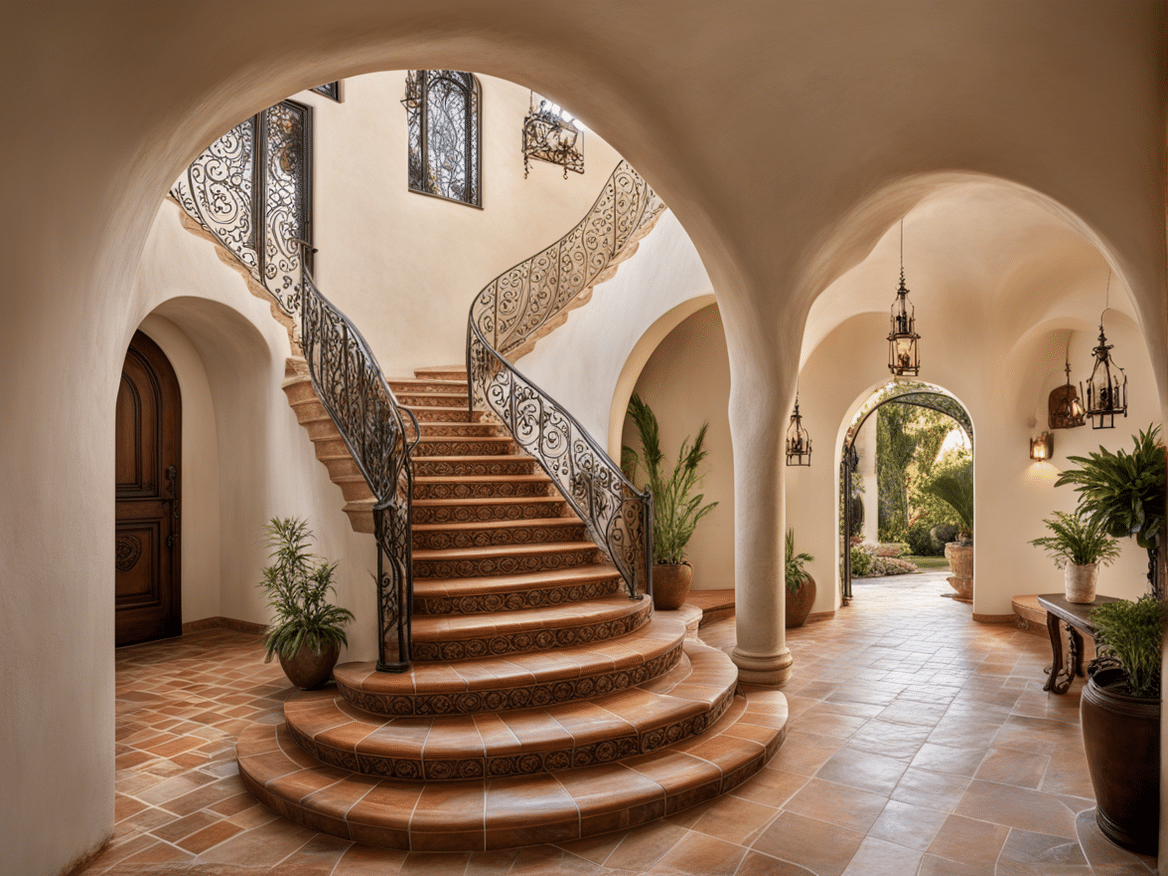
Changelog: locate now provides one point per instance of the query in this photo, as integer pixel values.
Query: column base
(769, 669)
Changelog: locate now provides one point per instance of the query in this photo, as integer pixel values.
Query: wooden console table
(1075, 616)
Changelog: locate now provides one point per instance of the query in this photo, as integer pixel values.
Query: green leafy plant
(297, 586)
(1123, 492)
(1131, 634)
(956, 490)
(1077, 539)
(861, 562)
(676, 507)
(795, 573)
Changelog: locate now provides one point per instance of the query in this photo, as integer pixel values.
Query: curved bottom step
(520, 810)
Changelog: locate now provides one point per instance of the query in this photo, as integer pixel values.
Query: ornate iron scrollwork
(517, 305)
(442, 116)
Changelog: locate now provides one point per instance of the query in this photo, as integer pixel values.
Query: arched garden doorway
(922, 395)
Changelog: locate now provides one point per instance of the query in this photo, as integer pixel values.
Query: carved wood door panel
(147, 586)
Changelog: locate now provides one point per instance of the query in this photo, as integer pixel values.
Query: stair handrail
(519, 304)
(218, 192)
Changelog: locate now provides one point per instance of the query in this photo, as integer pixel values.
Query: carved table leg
(1060, 677)
(1075, 658)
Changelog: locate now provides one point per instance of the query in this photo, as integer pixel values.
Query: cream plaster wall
(1033, 92)
(405, 266)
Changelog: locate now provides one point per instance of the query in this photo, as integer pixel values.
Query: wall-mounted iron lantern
(1063, 408)
(1042, 447)
(549, 135)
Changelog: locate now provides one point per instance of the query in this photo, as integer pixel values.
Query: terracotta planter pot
(1121, 737)
(307, 670)
(671, 583)
(960, 557)
(799, 603)
(1079, 582)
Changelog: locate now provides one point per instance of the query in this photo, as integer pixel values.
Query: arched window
(442, 111)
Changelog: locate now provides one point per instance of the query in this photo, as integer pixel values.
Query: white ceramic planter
(1080, 582)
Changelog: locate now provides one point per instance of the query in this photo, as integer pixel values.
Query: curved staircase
(543, 704)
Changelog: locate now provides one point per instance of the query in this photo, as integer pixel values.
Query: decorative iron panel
(331, 90)
(516, 305)
(443, 118)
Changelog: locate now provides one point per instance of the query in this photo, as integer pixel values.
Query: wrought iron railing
(249, 189)
(518, 305)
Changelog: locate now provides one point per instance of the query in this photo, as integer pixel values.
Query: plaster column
(866, 445)
(757, 425)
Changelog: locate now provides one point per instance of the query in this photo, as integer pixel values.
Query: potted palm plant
(1120, 707)
(307, 630)
(1079, 546)
(955, 489)
(800, 584)
(677, 507)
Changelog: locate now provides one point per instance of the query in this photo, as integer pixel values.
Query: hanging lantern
(798, 441)
(1063, 408)
(1106, 393)
(903, 355)
(549, 136)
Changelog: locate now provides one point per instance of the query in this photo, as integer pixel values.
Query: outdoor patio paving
(920, 742)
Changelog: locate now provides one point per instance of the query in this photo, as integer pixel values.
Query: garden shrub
(943, 533)
(920, 540)
(861, 562)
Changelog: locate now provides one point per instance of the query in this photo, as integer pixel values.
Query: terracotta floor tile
(929, 789)
(914, 827)
(734, 819)
(877, 857)
(699, 855)
(948, 759)
(860, 768)
(969, 841)
(758, 864)
(839, 804)
(1017, 807)
(1013, 768)
(825, 849)
(770, 787)
(208, 836)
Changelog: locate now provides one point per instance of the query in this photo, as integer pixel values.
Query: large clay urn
(799, 602)
(960, 557)
(671, 583)
(1121, 738)
(308, 670)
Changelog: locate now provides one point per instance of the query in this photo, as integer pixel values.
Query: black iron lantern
(798, 441)
(549, 136)
(903, 355)
(1063, 408)
(1106, 393)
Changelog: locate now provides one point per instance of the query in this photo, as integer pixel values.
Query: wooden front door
(148, 453)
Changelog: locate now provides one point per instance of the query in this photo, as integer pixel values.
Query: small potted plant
(1079, 546)
(307, 631)
(677, 508)
(800, 584)
(1120, 716)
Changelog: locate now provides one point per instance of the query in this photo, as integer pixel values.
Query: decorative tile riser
(537, 487)
(424, 705)
(488, 566)
(439, 374)
(444, 415)
(418, 399)
(405, 387)
(479, 429)
(438, 447)
(446, 468)
(518, 510)
(516, 600)
(527, 763)
(525, 641)
(447, 539)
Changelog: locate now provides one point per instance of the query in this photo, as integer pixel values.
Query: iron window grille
(443, 114)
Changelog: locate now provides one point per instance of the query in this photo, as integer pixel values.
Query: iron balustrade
(249, 189)
(517, 306)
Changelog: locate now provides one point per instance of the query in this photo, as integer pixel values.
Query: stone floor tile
(860, 768)
(969, 840)
(877, 857)
(905, 824)
(824, 849)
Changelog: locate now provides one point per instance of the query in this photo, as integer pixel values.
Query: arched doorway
(915, 393)
(147, 586)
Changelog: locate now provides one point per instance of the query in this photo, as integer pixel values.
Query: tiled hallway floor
(920, 743)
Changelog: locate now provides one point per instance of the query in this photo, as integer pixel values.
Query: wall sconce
(1042, 447)
(798, 441)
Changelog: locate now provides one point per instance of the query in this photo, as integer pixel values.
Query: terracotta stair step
(473, 466)
(454, 373)
(516, 681)
(458, 637)
(482, 486)
(472, 815)
(419, 398)
(516, 592)
(446, 415)
(438, 536)
(487, 562)
(437, 511)
(463, 442)
(360, 513)
(562, 735)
